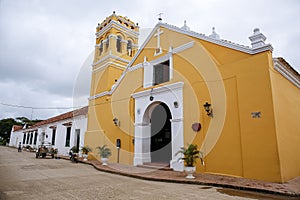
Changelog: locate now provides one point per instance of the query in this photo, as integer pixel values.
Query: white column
(177, 143)
(142, 139)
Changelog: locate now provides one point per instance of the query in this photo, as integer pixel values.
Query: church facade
(239, 105)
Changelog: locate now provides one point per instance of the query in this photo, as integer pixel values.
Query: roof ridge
(222, 42)
(67, 115)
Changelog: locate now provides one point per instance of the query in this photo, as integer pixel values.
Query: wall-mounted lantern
(116, 121)
(208, 109)
(151, 97)
(176, 104)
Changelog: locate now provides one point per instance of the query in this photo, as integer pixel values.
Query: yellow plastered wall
(287, 108)
(246, 146)
(102, 130)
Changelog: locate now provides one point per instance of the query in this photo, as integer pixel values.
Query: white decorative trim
(141, 65)
(143, 45)
(107, 64)
(221, 42)
(166, 94)
(118, 26)
(108, 92)
(99, 95)
(183, 47)
(278, 66)
(110, 56)
(176, 120)
(161, 59)
(165, 57)
(161, 89)
(116, 37)
(225, 43)
(141, 124)
(135, 67)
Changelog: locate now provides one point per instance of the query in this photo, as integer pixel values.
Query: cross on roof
(157, 34)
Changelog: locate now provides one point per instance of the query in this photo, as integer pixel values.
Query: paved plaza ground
(22, 176)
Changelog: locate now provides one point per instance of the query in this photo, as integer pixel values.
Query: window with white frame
(158, 71)
(68, 136)
(161, 73)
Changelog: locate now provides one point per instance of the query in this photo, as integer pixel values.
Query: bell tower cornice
(120, 22)
(116, 35)
(115, 46)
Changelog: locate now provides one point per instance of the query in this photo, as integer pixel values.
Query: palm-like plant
(75, 149)
(86, 149)
(190, 154)
(104, 151)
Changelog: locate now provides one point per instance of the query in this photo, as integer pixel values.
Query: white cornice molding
(114, 64)
(99, 95)
(161, 59)
(183, 47)
(118, 26)
(140, 124)
(220, 42)
(135, 67)
(115, 36)
(176, 120)
(161, 89)
(110, 56)
(165, 57)
(113, 88)
(283, 70)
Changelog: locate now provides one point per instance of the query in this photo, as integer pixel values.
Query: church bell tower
(116, 44)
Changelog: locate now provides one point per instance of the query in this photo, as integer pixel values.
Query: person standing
(19, 147)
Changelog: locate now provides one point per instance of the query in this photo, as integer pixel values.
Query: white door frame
(172, 96)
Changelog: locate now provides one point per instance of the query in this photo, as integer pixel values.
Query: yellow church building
(239, 105)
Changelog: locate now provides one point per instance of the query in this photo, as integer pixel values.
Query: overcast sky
(46, 46)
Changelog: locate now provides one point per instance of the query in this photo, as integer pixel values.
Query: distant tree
(5, 128)
(7, 124)
(24, 120)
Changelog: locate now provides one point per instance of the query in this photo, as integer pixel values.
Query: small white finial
(257, 39)
(214, 34)
(185, 27)
(256, 31)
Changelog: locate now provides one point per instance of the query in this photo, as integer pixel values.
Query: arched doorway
(145, 148)
(161, 136)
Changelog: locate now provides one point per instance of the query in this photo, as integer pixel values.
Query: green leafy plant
(86, 149)
(104, 151)
(190, 154)
(75, 149)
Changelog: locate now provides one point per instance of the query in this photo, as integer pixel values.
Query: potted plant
(190, 154)
(104, 153)
(85, 150)
(74, 149)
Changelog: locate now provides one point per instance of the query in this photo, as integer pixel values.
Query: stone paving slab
(290, 188)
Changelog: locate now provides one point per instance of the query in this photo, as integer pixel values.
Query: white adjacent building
(63, 132)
